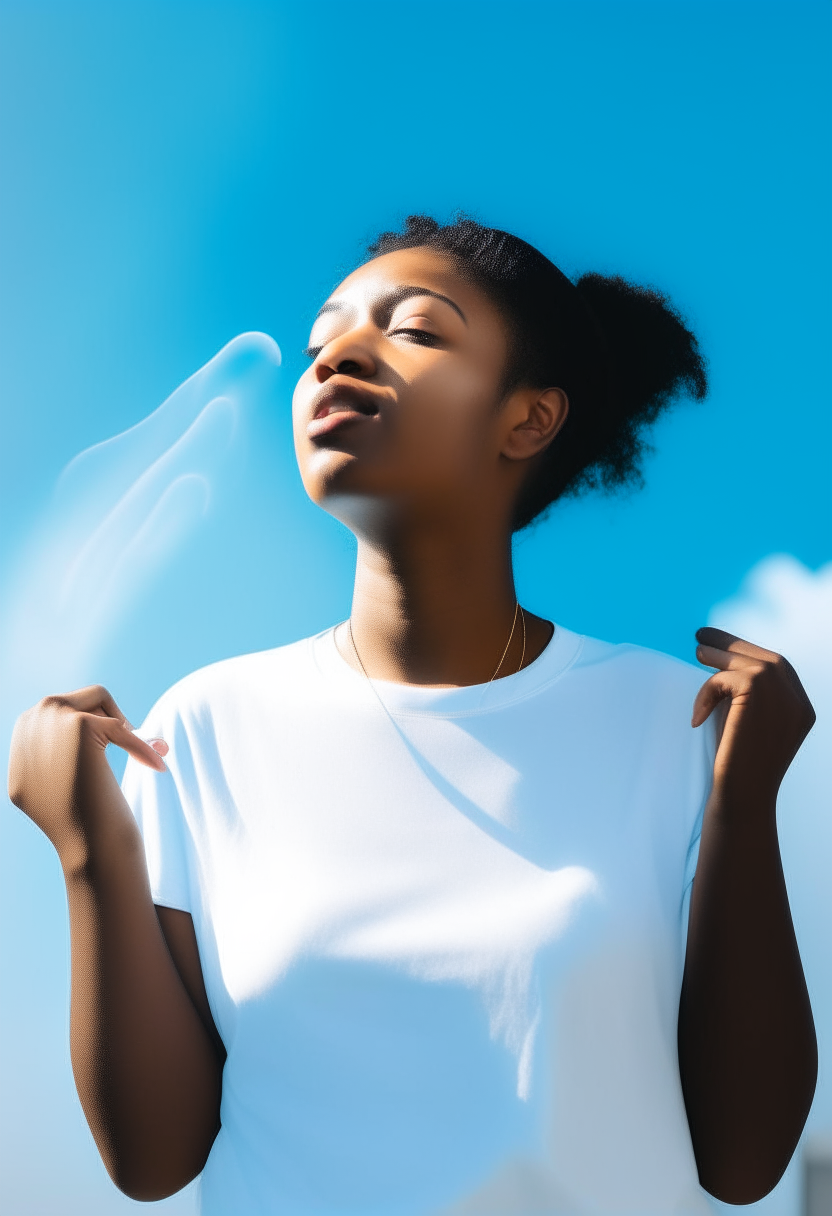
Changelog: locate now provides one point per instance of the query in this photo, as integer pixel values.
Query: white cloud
(788, 608)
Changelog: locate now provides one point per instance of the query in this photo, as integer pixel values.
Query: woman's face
(399, 409)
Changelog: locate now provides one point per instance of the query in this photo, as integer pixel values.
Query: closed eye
(422, 337)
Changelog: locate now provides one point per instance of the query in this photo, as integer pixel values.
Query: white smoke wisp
(121, 511)
(788, 608)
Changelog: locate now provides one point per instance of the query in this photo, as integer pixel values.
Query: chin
(367, 516)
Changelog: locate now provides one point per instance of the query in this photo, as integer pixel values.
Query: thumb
(714, 690)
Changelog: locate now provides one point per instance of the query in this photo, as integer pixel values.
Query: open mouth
(340, 404)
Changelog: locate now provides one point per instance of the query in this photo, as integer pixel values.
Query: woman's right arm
(147, 1069)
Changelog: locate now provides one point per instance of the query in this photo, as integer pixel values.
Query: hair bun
(653, 355)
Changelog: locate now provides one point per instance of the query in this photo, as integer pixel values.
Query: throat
(452, 628)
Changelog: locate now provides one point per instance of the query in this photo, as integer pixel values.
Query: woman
(427, 878)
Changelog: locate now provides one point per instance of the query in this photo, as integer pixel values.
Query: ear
(533, 418)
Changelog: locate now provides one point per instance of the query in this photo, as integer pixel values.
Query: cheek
(450, 415)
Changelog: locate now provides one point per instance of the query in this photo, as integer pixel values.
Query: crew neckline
(555, 659)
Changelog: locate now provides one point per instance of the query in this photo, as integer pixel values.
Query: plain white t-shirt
(442, 930)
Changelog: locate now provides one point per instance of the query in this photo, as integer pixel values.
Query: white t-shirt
(442, 930)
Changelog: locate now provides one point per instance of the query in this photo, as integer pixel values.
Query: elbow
(148, 1190)
(749, 1172)
(742, 1165)
(149, 1177)
(742, 1188)
(745, 1134)
(150, 1185)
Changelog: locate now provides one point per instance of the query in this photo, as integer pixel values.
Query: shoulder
(636, 672)
(221, 686)
(645, 698)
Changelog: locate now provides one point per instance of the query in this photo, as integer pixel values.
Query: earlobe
(541, 417)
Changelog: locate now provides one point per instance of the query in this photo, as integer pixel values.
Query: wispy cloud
(121, 511)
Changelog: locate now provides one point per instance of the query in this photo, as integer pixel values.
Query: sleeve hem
(177, 903)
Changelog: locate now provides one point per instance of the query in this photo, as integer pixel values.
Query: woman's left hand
(768, 715)
(747, 1048)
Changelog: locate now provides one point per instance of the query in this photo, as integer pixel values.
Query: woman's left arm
(747, 1049)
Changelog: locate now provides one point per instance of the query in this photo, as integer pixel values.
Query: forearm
(747, 1047)
(147, 1073)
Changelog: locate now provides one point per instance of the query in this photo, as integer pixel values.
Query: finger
(727, 660)
(92, 699)
(720, 639)
(712, 692)
(117, 732)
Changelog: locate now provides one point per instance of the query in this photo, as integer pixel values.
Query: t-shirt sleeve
(155, 802)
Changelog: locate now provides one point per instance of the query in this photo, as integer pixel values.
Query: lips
(339, 404)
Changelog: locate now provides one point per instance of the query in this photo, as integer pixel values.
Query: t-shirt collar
(406, 699)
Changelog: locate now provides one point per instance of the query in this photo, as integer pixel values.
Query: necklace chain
(517, 609)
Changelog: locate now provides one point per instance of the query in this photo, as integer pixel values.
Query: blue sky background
(176, 174)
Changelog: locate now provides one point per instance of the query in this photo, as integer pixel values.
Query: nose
(346, 355)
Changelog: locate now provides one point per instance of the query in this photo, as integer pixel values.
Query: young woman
(407, 922)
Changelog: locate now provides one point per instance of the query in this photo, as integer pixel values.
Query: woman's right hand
(148, 1073)
(58, 773)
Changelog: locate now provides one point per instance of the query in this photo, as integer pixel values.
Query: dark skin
(403, 433)
(747, 1048)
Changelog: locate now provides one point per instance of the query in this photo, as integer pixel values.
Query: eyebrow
(388, 301)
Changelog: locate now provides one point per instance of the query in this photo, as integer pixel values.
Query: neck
(436, 607)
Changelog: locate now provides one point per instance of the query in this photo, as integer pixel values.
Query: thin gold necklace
(517, 609)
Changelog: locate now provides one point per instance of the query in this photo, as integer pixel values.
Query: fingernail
(159, 746)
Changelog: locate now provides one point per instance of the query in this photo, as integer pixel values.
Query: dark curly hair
(620, 352)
